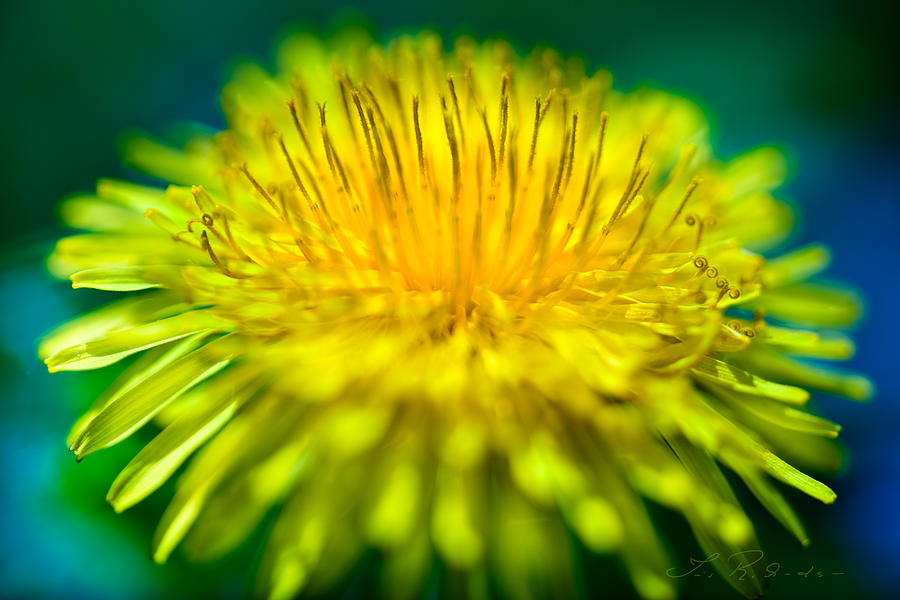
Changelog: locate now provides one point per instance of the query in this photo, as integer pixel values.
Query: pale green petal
(116, 345)
(169, 164)
(124, 279)
(597, 524)
(775, 503)
(762, 169)
(530, 554)
(711, 370)
(242, 501)
(354, 428)
(93, 214)
(395, 506)
(812, 305)
(297, 544)
(827, 379)
(717, 519)
(643, 555)
(122, 314)
(795, 266)
(405, 568)
(343, 546)
(811, 451)
(92, 250)
(237, 447)
(455, 528)
(830, 346)
(137, 405)
(147, 366)
(791, 476)
(776, 413)
(737, 447)
(702, 466)
(167, 451)
(760, 220)
(139, 198)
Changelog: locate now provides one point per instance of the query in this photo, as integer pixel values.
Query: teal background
(818, 79)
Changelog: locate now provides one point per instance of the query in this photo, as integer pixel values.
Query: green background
(817, 79)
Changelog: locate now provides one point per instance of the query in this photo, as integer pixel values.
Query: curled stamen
(739, 328)
(204, 241)
(724, 289)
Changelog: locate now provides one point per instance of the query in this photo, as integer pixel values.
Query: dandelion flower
(453, 307)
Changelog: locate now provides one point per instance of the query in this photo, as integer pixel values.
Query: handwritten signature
(741, 565)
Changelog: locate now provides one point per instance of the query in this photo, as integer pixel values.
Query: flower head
(451, 306)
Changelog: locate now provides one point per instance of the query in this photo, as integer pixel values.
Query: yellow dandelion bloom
(454, 307)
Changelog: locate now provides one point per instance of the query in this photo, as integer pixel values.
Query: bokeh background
(817, 79)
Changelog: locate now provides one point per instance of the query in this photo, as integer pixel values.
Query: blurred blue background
(818, 79)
